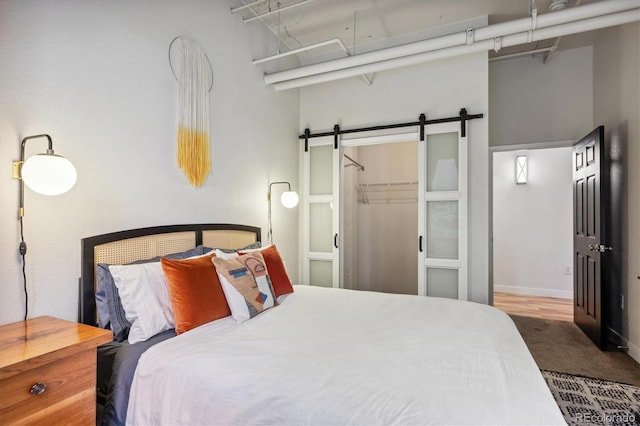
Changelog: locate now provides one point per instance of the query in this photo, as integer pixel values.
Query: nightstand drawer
(69, 392)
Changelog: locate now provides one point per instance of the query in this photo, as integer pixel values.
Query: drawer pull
(38, 389)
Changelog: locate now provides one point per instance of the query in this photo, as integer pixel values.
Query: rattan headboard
(144, 243)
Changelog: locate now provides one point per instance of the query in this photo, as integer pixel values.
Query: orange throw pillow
(195, 292)
(277, 271)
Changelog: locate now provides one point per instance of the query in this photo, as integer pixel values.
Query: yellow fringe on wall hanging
(194, 82)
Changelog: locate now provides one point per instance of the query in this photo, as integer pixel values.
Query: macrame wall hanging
(192, 69)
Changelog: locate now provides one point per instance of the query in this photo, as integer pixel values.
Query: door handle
(600, 247)
(420, 243)
(335, 240)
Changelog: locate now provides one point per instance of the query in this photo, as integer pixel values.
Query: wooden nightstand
(61, 355)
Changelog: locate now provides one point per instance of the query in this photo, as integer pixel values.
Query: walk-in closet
(380, 217)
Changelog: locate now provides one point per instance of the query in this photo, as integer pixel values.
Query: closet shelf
(392, 201)
(388, 192)
(389, 186)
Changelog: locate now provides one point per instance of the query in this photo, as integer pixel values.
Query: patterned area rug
(586, 401)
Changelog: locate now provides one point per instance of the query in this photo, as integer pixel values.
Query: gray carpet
(589, 401)
(561, 346)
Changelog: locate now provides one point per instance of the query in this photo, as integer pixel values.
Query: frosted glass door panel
(321, 273)
(320, 227)
(443, 210)
(442, 229)
(321, 170)
(442, 162)
(442, 283)
(320, 204)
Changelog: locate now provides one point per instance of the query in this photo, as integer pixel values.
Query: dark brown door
(589, 239)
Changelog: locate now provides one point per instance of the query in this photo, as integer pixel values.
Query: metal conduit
(461, 39)
(526, 36)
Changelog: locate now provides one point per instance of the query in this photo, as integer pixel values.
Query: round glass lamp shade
(289, 199)
(49, 174)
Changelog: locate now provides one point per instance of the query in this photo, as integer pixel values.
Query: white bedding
(333, 357)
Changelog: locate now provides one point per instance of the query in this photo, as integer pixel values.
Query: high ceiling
(365, 25)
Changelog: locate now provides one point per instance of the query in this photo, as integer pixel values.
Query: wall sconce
(47, 174)
(289, 199)
(521, 169)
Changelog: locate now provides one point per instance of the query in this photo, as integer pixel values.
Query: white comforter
(334, 357)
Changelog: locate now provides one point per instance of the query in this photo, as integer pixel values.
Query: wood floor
(534, 306)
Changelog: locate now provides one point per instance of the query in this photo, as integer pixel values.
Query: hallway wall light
(521, 169)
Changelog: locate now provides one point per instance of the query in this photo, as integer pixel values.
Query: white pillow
(145, 298)
(226, 255)
(255, 249)
(230, 255)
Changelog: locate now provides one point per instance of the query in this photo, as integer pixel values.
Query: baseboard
(529, 291)
(634, 351)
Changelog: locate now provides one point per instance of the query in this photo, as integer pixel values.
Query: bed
(318, 356)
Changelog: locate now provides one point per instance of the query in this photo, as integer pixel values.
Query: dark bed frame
(87, 305)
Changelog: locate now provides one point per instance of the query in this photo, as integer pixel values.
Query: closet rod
(355, 163)
(387, 184)
(307, 135)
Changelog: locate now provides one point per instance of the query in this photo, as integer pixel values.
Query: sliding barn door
(321, 213)
(442, 213)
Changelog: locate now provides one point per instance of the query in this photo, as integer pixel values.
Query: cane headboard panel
(144, 243)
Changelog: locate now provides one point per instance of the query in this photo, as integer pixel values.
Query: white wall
(438, 89)
(533, 224)
(535, 102)
(616, 90)
(95, 76)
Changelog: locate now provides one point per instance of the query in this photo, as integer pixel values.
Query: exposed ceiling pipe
(553, 7)
(619, 18)
(458, 39)
(269, 27)
(281, 9)
(245, 6)
(310, 47)
(552, 50)
(558, 5)
(300, 50)
(518, 54)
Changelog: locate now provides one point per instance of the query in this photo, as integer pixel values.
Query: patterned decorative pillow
(246, 285)
(277, 270)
